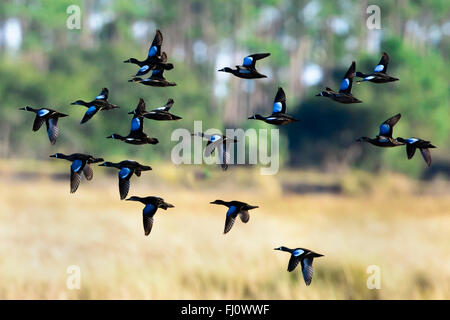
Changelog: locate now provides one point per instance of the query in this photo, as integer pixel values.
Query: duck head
(363, 139)
(27, 108)
(323, 94)
(115, 136)
(134, 198)
(218, 202)
(79, 102)
(131, 60)
(58, 155)
(226, 69)
(106, 164)
(282, 248)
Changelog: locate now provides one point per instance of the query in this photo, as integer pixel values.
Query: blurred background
(357, 204)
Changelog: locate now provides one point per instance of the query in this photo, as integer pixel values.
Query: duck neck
(81, 103)
(116, 136)
(258, 117)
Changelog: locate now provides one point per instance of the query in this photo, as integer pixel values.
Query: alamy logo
(228, 148)
(74, 279)
(74, 19)
(374, 20)
(374, 280)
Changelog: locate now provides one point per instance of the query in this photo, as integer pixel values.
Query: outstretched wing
(347, 81)
(155, 48)
(410, 149)
(140, 108)
(279, 104)
(229, 222)
(75, 174)
(426, 155)
(307, 270)
(211, 145)
(137, 125)
(224, 155)
(88, 172)
(383, 64)
(158, 74)
(244, 215)
(38, 121)
(293, 262)
(167, 106)
(52, 129)
(147, 215)
(90, 112)
(124, 181)
(250, 61)
(103, 95)
(386, 128)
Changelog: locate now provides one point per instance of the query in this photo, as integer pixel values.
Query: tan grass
(44, 229)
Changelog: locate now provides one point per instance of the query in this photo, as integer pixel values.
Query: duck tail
(166, 205)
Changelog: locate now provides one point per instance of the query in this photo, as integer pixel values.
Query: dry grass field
(402, 227)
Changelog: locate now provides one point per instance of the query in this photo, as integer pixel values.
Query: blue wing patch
(277, 107)
(76, 165)
(379, 68)
(297, 252)
(124, 172)
(152, 51)
(91, 110)
(215, 137)
(412, 140)
(231, 211)
(99, 97)
(344, 84)
(247, 61)
(144, 68)
(149, 209)
(135, 124)
(384, 128)
(42, 112)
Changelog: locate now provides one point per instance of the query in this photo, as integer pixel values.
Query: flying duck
(50, 117)
(161, 113)
(278, 116)
(235, 208)
(80, 164)
(137, 136)
(415, 143)
(151, 206)
(305, 257)
(156, 79)
(344, 95)
(248, 68)
(379, 73)
(154, 58)
(384, 137)
(98, 104)
(219, 142)
(145, 68)
(127, 168)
